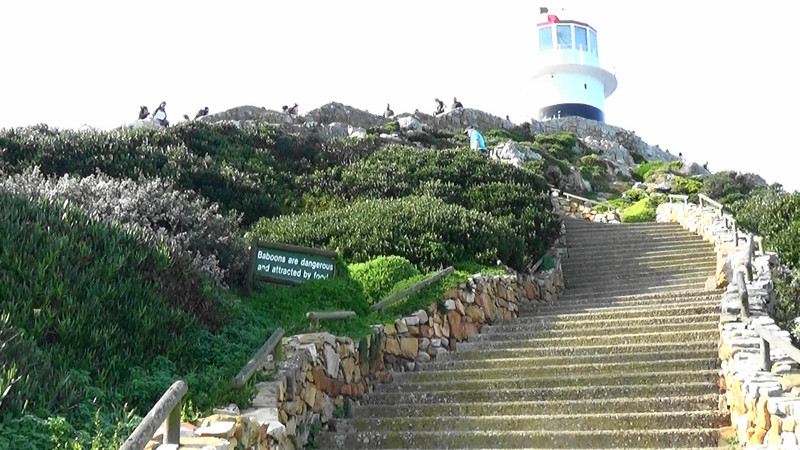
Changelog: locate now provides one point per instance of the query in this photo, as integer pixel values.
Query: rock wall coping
(764, 406)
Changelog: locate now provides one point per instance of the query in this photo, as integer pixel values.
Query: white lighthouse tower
(568, 80)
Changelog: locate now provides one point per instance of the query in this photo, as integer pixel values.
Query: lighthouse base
(572, 109)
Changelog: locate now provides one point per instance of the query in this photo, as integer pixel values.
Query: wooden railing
(167, 410)
(586, 200)
(405, 293)
(671, 197)
(730, 222)
(269, 348)
(329, 315)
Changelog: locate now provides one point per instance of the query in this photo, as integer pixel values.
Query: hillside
(124, 253)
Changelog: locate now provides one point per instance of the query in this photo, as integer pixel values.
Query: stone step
(535, 329)
(598, 351)
(648, 254)
(535, 393)
(541, 422)
(634, 276)
(491, 363)
(616, 270)
(631, 240)
(687, 337)
(569, 297)
(637, 249)
(570, 369)
(652, 301)
(616, 379)
(500, 439)
(553, 324)
(596, 406)
(646, 286)
(604, 311)
(576, 224)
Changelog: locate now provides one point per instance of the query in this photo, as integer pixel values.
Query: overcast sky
(711, 79)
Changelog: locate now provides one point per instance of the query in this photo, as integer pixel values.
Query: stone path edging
(765, 406)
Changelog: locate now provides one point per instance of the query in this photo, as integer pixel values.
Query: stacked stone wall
(323, 372)
(586, 211)
(764, 405)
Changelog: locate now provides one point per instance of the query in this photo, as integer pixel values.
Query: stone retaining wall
(764, 406)
(322, 371)
(577, 210)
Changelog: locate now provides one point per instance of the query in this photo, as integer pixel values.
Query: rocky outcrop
(513, 153)
(605, 139)
(337, 112)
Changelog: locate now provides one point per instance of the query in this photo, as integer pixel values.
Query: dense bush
(459, 177)
(198, 237)
(379, 275)
(249, 170)
(635, 194)
(561, 146)
(425, 230)
(643, 210)
(84, 293)
(728, 187)
(595, 171)
(775, 216)
(649, 171)
(291, 303)
(686, 186)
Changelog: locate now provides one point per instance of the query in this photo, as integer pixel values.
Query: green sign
(290, 264)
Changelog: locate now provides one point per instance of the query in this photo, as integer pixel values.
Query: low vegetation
(124, 257)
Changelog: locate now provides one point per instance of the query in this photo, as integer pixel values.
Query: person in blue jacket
(476, 141)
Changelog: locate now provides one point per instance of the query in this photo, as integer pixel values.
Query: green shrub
(379, 275)
(642, 173)
(291, 303)
(459, 177)
(728, 187)
(787, 306)
(424, 230)
(635, 194)
(593, 169)
(558, 145)
(775, 216)
(643, 210)
(250, 170)
(392, 127)
(686, 186)
(197, 236)
(83, 292)
(344, 151)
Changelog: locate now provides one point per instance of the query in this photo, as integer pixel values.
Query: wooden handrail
(714, 203)
(406, 292)
(258, 359)
(329, 315)
(167, 410)
(586, 200)
(685, 198)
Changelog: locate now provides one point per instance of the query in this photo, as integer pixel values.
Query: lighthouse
(568, 80)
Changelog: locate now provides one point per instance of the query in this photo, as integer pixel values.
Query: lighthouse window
(593, 42)
(545, 38)
(580, 39)
(564, 34)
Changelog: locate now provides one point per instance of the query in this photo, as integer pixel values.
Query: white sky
(712, 79)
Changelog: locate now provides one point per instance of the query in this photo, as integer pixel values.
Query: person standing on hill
(439, 107)
(476, 141)
(160, 115)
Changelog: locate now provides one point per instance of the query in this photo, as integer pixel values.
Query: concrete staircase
(625, 358)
